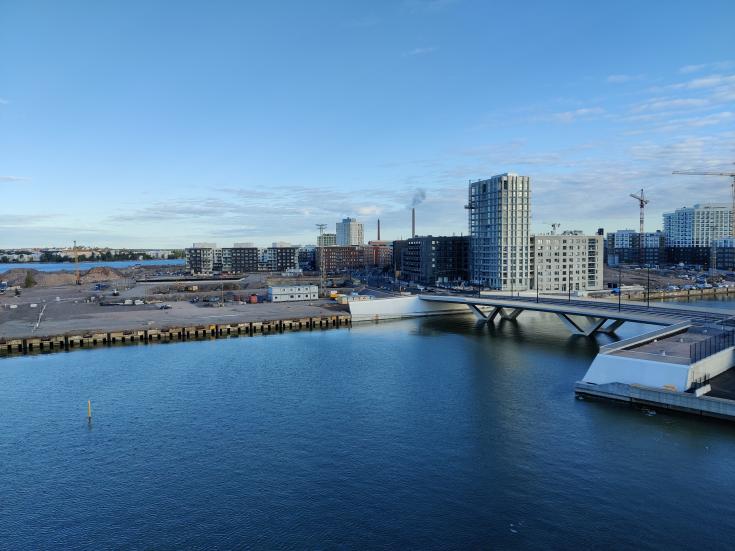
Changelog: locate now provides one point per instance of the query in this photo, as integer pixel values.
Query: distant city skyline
(157, 125)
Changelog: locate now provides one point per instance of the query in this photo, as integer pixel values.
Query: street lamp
(569, 285)
(620, 286)
(648, 286)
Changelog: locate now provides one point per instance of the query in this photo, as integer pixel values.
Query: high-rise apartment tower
(499, 223)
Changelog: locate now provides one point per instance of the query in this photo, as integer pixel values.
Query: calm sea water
(70, 266)
(423, 434)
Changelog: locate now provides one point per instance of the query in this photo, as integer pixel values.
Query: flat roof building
(698, 226)
(570, 261)
(292, 293)
(349, 232)
(499, 222)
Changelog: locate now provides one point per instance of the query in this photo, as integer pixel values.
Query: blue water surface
(416, 434)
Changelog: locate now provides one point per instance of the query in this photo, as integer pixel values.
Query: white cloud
(14, 179)
(658, 104)
(3, 101)
(717, 66)
(576, 114)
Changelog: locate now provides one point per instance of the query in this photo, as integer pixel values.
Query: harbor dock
(75, 341)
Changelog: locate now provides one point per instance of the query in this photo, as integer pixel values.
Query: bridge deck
(654, 314)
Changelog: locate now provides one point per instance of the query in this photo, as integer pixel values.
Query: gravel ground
(73, 313)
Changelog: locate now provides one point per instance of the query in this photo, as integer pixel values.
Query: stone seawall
(660, 398)
(73, 341)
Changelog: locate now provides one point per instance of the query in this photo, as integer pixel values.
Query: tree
(29, 281)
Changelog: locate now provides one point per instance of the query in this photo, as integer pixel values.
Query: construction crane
(732, 187)
(642, 202)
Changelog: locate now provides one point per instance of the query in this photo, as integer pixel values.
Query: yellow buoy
(89, 409)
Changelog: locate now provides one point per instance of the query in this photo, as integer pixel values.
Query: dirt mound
(101, 273)
(17, 276)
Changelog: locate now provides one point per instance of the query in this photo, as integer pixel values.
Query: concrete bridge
(587, 317)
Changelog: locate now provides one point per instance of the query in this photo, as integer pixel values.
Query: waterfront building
(279, 258)
(379, 254)
(349, 232)
(499, 223)
(243, 258)
(200, 258)
(723, 253)
(431, 260)
(340, 259)
(326, 240)
(632, 247)
(399, 250)
(307, 258)
(698, 226)
(570, 261)
(690, 232)
(207, 258)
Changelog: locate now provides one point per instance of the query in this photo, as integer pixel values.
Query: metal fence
(712, 345)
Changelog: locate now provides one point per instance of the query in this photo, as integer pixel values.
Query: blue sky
(161, 123)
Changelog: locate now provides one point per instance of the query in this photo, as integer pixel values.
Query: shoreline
(85, 340)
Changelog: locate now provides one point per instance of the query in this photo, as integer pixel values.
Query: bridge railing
(710, 346)
(656, 357)
(646, 337)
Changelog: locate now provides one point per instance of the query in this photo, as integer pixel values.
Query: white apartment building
(567, 261)
(698, 226)
(350, 232)
(499, 224)
(622, 239)
(326, 240)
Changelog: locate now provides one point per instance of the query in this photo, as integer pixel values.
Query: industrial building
(292, 293)
(432, 260)
(499, 223)
(349, 232)
(570, 261)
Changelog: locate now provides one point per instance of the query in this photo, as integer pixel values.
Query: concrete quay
(660, 398)
(73, 341)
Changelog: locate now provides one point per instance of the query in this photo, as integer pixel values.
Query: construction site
(56, 305)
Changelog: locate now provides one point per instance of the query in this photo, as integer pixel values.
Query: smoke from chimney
(418, 197)
(378, 229)
(413, 222)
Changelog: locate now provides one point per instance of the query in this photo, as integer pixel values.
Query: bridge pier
(595, 325)
(610, 329)
(497, 311)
